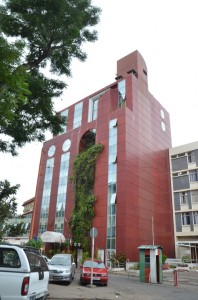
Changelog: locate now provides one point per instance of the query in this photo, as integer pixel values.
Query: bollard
(175, 278)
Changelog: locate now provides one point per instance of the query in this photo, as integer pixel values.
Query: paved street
(123, 287)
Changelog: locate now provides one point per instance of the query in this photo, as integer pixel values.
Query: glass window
(112, 178)
(113, 123)
(184, 198)
(9, 258)
(93, 108)
(185, 218)
(36, 262)
(111, 188)
(62, 190)
(66, 145)
(113, 198)
(78, 115)
(191, 157)
(193, 175)
(113, 158)
(194, 196)
(51, 151)
(65, 114)
(195, 217)
(163, 126)
(46, 193)
(162, 114)
(121, 93)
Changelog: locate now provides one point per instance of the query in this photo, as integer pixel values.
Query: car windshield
(63, 261)
(94, 264)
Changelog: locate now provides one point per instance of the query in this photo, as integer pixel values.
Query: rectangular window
(113, 198)
(193, 175)
(36, 262)
(9, 258)
(184, 198)
(181, 154)
(46, 194)
(194, 196)
(93, 108)
(121, 93)
(195, 217)
(185, 218)
(78, 115)
(64, 114)
(191, 157)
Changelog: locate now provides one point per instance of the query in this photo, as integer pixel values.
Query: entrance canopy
(52, 237)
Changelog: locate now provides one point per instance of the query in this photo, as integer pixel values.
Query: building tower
(132, 177)
(184, 170)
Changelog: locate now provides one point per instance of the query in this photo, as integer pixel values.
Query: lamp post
(76, 245)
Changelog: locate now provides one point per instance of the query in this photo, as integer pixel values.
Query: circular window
(51, 151)
(162, 114)
(163, 126)
(66, 145)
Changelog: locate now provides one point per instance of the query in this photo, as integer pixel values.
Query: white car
(24, 273)
(62, 268)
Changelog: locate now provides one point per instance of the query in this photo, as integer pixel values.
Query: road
(123, 287)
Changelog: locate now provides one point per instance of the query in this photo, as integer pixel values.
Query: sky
(166, 34)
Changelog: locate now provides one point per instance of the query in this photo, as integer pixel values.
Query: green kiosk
(150, 263)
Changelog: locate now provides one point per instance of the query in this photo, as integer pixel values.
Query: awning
(52, 237)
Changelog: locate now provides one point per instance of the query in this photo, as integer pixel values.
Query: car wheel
(106, 284)
(81, 282)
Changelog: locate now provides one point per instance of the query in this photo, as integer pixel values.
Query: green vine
(83, 179)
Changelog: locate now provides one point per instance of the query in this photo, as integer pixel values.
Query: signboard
(93, 232)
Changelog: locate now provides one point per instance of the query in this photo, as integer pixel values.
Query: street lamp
(77, 245)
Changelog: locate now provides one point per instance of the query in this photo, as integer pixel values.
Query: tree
(35, 243)
(36, 34)
(15, 229)
(8, 205)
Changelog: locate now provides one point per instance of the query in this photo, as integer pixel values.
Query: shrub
(118, 259)
(164, 257)
(136, 266)
(186, 259)
(172, 266)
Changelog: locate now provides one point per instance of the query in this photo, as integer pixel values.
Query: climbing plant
(83, 181)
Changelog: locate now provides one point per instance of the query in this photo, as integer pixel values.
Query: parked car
(24, 273)
(62, 268)
(100, 273)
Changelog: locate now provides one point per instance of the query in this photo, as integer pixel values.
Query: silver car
(62, 268)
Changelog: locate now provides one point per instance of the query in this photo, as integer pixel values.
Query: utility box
(150, 263)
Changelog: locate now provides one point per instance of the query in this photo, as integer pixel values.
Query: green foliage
(83, 180)
(15, 229)
(186, 259)
(118, 259)
(172, 266)
(8, 205)
(85, 256)
(136, 266)
(36, 34)
(164, 257)
(37, 244)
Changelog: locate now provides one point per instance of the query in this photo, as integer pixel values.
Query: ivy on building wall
(83, 179)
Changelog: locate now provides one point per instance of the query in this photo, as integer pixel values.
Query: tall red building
(132, 178)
